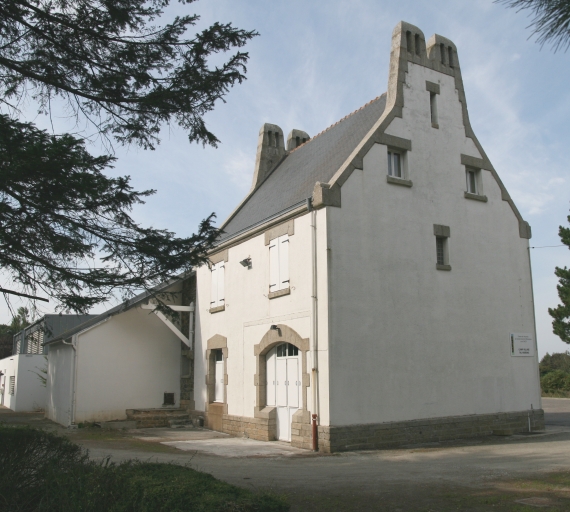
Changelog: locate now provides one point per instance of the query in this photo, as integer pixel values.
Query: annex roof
(121, 308)
(293, 180)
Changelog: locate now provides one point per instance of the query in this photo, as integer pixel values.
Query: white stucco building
(131, 357)
(377, 275)
(22, 375)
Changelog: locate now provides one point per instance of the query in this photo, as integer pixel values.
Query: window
(442, 234)
(472, 179)
(417, 44)
(12, 388)
(287, 349)
(433, 108)
(395, 164)
(279, 263)
(217, 296)
(440, 249)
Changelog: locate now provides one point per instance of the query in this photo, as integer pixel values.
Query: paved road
(556, 411)
(384, 474)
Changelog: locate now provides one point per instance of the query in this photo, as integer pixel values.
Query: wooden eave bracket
(168, 323)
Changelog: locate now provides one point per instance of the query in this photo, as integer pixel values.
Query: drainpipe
(73, 379)
(314, 322)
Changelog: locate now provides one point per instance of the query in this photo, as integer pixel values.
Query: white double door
(283, 389)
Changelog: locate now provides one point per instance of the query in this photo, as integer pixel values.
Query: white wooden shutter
(274, 265)
(283, 262)
(214, 293)
(221, 283)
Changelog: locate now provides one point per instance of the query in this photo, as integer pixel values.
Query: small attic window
(442, 53)
(450, 54)
(297, 141)
(417, 44)
(409, 41)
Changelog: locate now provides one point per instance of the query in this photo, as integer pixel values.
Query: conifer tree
(65, 227)
(561, 314)
(551, 20)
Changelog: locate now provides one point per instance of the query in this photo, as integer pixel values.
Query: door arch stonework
(272, 338)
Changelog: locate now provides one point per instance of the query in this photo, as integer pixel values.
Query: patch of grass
(44, 472)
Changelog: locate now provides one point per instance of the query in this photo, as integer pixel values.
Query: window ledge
(442, 267)
(218, 309)
(279, 293)
(435, 125)
(476, 197)
(399, 181)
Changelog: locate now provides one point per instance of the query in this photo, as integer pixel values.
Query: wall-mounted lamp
(274, 328)
(246, 262)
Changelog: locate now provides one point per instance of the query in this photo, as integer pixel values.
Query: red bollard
(315, 440)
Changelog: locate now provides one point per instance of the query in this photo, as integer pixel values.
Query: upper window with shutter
(279, 263)
(218, 288)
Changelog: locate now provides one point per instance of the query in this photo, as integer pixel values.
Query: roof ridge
(334, 124)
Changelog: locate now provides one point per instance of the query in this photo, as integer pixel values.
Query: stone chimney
(270, 151)
(296, 138)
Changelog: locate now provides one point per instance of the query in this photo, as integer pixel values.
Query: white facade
(21, 385)
(436, 341)
(402, 286)
(249, 314)
(127, 361)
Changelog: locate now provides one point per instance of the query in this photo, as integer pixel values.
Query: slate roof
(292, 182)
(121, 308)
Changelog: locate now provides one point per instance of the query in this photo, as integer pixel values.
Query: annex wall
(30, 391)
(8, 367)
(60, 383)
(127, 362)
(409, 341)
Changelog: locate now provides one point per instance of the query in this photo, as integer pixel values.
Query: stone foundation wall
(261, 429)
(302, 431)
(393, 434)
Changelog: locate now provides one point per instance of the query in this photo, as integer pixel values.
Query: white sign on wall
(522, 344)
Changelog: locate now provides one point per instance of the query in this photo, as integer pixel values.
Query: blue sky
(315, 62)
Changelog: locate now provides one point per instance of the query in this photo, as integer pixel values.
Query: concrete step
(180, 422)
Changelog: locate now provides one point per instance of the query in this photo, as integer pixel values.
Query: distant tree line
(555, 374)
(7, 331)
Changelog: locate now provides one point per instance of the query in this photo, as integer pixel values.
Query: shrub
(27, 456)
(46, 473)
(556, 380)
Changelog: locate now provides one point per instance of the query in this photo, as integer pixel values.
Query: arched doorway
(294, 420)
(284, 386)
